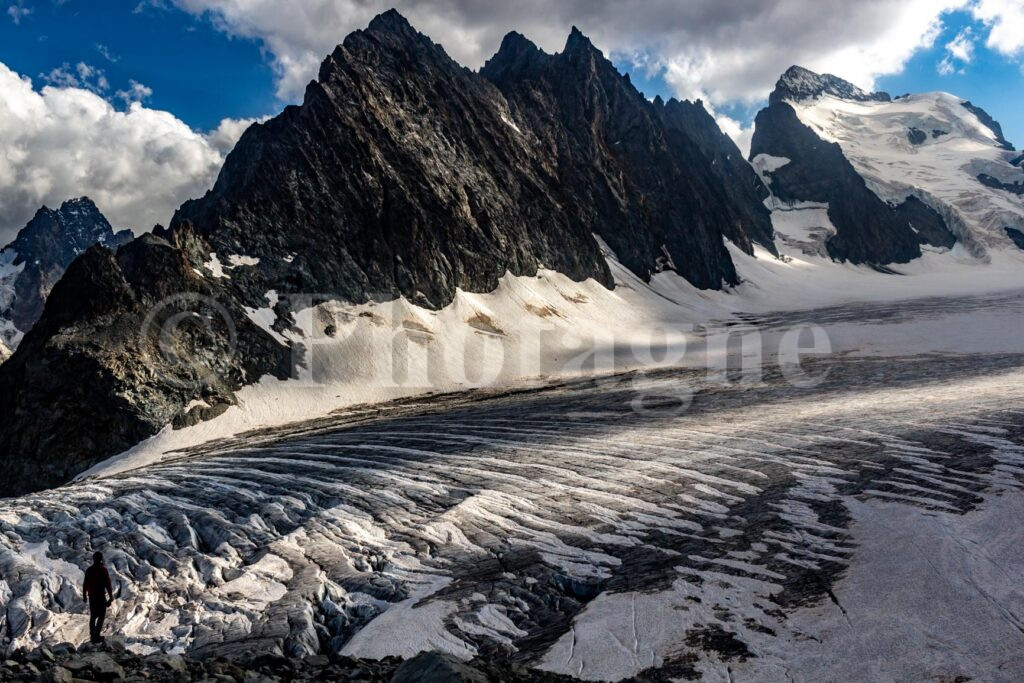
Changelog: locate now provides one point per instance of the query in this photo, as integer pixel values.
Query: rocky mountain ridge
(401, 174)
(798, 83)
(31, 264)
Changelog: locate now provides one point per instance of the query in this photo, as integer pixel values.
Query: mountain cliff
(626, 161)
(401, 174)
(39, 255)
(928, 168)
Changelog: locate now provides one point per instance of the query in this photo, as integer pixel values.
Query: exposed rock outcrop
(798, 83)
(925, 222)
(867, 229)
(625, 161)
(1016, 236)
(990, 123)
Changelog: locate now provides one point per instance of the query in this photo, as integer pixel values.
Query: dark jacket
(97, 581)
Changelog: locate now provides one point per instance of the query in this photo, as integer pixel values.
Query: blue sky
(197, 72)
(203, 74)
(990, 81)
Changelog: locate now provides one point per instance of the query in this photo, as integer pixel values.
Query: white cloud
(18, 11)
(106, 53)
(962, 47)
(225, 135)
(138, 165)
(80, 75)
(721, 51)
(1005, 20)
(741, 135)
(135, 92)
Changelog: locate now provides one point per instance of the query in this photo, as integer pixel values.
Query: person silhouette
(98, 592)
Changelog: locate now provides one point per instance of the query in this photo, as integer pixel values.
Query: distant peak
(391, 21)
(514, 41)
(516, 53)
(578, 42)
(79, 203)
(798, 83)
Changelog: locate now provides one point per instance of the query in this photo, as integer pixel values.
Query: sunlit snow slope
(933, 147)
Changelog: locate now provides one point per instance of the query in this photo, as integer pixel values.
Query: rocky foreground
(112, 662)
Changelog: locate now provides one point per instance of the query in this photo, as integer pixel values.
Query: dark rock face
(990, 123)
(46, 246)
(867, 229)
(745, 193)
(995, 183)
(799, 83)
(916, 136)
(1016, 235)
(926, 222)
(397, 175)
(620, 157)
(402, 173)
(125, 341)
(1017, 161)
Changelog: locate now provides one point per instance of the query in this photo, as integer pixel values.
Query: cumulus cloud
(225, 135)
(1005, 20)
(960, 49)
(138, 165)
(720, 51)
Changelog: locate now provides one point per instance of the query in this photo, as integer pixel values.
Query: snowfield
(755, 534)
(531, 331)
(942, 171)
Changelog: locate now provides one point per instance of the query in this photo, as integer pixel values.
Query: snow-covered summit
(939, 148)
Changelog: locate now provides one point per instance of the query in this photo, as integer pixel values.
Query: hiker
(97, 591)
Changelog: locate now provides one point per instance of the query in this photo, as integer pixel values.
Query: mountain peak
(577, 42)
(391, 21)
(81, 202)
(516, 52)
(516, 42)
(46, 245)
(389, 36)
(798, 83)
